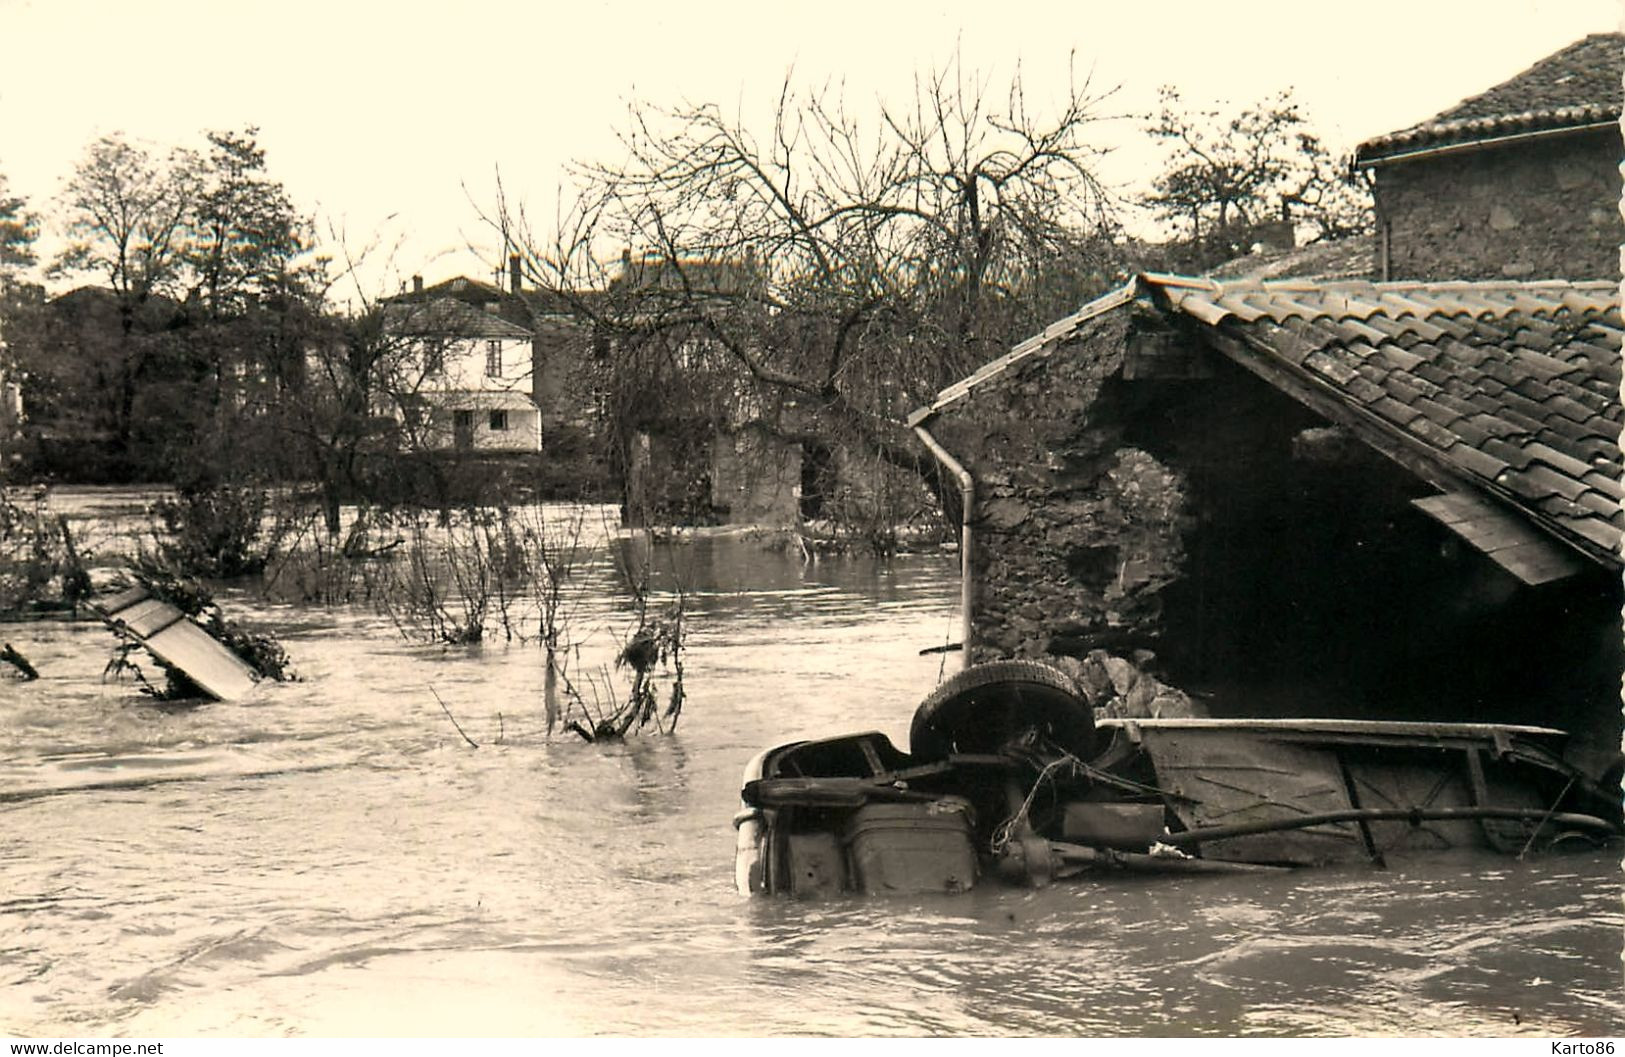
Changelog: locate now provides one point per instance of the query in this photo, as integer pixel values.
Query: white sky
(376, 115)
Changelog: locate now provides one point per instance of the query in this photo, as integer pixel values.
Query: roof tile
(1436, 411)
(1573, 87)
(1553, 482)
(1598, 503)
(1493, 425)
(1557, 460)
(1596, 448)
(1470, 434)
(1332, 367)
(1400, 358)
(1565, 508)
(1606, 483)
(1394, 411)
(1450, 399)
(1568, 408)
(1513, 455)
(1433, 433)
(1599, 532)
(1533, 389)
(1476, 461)
(1363, 389)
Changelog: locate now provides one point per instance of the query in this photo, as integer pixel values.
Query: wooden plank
(123, 600)
(1401, 783)
(1536, 563)
(172, 637)
(1506, 538)
(204, 660)
(148, 616)
(1355, 727)
(1493, 532)
(1502, 835)
(1223, 777)
(1451, 507)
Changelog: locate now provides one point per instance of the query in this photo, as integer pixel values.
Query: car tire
(983, 707)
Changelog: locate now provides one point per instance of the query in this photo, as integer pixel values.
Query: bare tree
(1226, 173)
(822, 278)
(127, 213)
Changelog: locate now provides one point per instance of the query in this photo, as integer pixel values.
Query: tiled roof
(477, 399)
(1572, 88)
(1351, 258)
(458, 287)
(1511, 387)
(1505, 387)
(448, 318)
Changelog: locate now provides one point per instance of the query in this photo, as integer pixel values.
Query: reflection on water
(331, 858)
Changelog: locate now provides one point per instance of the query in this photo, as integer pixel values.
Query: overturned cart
(1009, 776)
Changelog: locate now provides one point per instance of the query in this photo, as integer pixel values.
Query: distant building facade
(466, 378)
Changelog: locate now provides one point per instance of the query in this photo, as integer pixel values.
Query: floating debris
(178, 642)
(9, 655)
(1012, 774)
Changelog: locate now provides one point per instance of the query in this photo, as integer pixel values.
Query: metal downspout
(967, 494)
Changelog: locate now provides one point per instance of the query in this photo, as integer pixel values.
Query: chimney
(417, 284)
(514, 271)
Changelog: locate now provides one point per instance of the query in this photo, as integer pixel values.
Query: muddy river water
(332, 858)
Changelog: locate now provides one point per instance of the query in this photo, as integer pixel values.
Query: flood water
(332, 858)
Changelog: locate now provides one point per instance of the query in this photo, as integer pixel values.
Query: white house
(464, 377)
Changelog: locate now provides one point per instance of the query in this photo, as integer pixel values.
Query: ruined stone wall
(562, 374)
(1544, 210)
(874, 495)
(755, 479)
(1077, 532)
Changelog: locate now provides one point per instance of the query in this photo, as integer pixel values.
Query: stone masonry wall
(1545, 210)
(755, 479)
(1077, 532)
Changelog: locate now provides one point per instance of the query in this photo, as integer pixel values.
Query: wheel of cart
(983, 707)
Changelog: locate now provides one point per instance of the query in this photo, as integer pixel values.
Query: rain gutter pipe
(967, 494)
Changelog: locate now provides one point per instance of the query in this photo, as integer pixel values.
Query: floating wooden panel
(173, 638)
(1507, 538)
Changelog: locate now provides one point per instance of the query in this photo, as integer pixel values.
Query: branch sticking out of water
(453, 719)
(18, 661)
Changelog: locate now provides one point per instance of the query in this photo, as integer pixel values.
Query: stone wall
(563, 375)
(755, 479)
(1543, 210)
(1077, 530)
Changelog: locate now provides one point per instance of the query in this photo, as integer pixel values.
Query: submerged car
(1009, 776)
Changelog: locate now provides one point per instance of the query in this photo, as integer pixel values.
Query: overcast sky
(371, 110)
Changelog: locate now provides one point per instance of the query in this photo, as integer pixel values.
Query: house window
(493, 359)
(434, 358)
(499, 421)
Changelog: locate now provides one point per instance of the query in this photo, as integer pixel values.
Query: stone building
(1338, 498)
(1521, 181)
